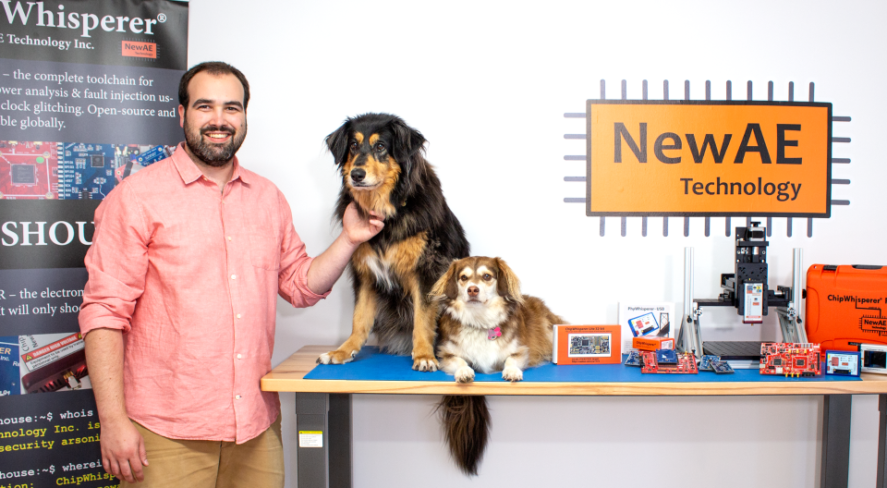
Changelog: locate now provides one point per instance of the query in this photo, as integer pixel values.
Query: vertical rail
(798, 272)
(688, 337)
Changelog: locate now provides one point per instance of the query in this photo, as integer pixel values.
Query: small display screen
(875, 359)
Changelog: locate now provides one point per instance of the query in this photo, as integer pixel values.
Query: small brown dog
(486, 325)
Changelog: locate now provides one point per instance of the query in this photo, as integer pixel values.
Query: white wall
(488, 83)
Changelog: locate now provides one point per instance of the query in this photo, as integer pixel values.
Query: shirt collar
(191, 173)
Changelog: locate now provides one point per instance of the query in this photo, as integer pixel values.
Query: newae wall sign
(708, 158)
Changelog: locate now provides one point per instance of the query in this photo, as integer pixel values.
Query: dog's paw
(510, 373)
(336, 357)
(425, 364)
(464, 375)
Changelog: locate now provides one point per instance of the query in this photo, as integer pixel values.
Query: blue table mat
(372, 365)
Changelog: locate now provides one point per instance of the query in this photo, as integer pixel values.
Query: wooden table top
(289, 377)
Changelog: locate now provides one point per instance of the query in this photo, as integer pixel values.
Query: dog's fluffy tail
(466, 422)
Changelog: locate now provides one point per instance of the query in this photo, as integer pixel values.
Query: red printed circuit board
(686, 364)
(29, 170)
(790, 359)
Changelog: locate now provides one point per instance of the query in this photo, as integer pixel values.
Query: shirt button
(239, 356)
(229, 238)
(238, 316)
(237, 397)
(234, 277)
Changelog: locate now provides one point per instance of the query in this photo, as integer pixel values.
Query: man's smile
(217, 136)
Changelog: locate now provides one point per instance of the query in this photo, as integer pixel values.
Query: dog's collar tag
(494, 334)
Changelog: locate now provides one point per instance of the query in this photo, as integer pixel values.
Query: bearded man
(179, 311)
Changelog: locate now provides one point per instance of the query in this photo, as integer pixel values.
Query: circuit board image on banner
(52, 362)
(29, 170)
(134, 158)
(86, 171)
(10, 374)
(91, 171)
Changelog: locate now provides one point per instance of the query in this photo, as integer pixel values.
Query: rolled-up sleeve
(117, 263)
(294, 262)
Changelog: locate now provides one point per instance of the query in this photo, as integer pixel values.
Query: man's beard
(215, 155)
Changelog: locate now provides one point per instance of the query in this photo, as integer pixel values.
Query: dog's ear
(408, 141)
(446, 285)
(507, 284)
(337, 142)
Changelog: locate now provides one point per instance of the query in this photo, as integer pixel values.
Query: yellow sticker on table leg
(310, 438)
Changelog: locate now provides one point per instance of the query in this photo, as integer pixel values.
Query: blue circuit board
(87, 171)
(705, 364)
(721, 367)
(634, 359)
(666, 356)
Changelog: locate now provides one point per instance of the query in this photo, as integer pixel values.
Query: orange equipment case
(846, 304)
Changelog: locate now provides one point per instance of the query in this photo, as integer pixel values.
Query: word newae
(669, 141)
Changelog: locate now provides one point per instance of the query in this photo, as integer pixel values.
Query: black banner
(118, 33)
(45, 233)
(88, 97)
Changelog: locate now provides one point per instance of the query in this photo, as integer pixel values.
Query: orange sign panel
(708, 158)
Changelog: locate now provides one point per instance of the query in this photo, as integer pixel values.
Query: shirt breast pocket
(264, 248)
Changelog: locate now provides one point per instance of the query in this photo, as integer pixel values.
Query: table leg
(836, 441)
(882, 439)
(329, 463)
(312, 410)
(340, 441)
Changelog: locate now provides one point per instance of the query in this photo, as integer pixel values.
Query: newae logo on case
(702, 158)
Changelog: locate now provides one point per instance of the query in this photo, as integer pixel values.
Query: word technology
(694, 158)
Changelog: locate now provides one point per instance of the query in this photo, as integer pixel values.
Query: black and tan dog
(486, 325)
(384, 170)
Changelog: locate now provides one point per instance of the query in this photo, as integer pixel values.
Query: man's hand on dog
(359, 229)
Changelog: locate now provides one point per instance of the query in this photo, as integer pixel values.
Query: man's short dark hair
(216, 68)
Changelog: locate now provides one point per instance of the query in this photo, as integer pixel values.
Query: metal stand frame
(690, 337)
(330, 466)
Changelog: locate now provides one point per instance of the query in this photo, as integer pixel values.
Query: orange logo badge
(140, 49)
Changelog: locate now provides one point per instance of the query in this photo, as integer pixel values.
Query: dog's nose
(473, 291)
(358, 174)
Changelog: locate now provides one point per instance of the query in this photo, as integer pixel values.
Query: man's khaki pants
(212, 464)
